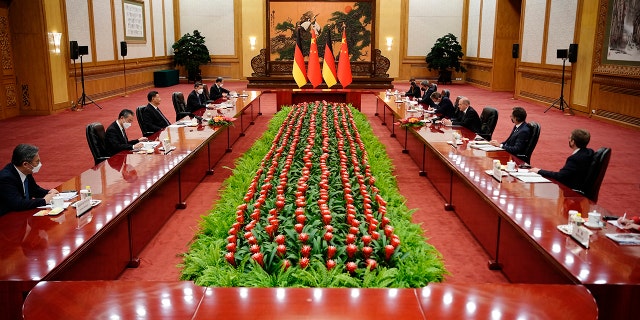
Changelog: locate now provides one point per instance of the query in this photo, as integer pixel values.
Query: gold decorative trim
(5, 44)
(10, 93)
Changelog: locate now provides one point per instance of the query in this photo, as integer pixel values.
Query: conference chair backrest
(533, 141)
(593, 180)
(96, 140)
(205, 91)
(489, 119)
(139, 116)
(179, 105)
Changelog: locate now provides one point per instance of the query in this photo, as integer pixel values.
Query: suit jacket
(574, 171)
(195, 101)
(216, 92)
(518, 141)
(153, 120)
(445, 108)
(468, 119)
(115, 141)
(426, 97)
(414, 91)
(12, 196)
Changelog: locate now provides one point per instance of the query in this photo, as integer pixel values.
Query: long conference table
(138, 194)
(516, 222)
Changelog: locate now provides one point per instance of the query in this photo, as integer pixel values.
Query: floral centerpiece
(221, 121)
(411, 122)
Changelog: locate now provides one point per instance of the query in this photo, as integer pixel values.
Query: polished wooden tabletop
(184, 300)
(536, 208)
(32, 246)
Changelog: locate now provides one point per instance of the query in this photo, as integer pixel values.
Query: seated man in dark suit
(466, 117)
(116, 137)
(18, 189)
(414, 90)
(520, 135)
(196, 99)
(152, 117)
(444, 107)
(577, 165)
(217, 90)
(428, 89)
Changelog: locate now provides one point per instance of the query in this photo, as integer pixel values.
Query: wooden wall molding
(132, 65)
(618, 82)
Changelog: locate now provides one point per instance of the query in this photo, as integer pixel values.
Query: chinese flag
(299, 72)
(344, 65)
(313, 73)
(329, 65)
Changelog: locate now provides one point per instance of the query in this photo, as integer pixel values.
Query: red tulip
(367, 251)
(231, 247)
(230, 258)
(351, 250)
(331, 264)
(280, 239)
(304, 262)
(331, 251)
(371, 264)
(282, 249)
(306, 250)
(303, 237)
(258, 258)
(388, 251)
(351, 267)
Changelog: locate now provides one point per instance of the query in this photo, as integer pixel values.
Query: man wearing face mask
(196, 99)
(18, 189)
(116, 138)
(217, 90)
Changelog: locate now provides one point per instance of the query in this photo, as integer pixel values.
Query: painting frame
(361, 61)
(601, 63)
(134, 21)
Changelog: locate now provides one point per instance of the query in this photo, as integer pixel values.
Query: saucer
(594, 226)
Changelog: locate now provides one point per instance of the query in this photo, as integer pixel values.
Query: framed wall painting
(135, 29)
(288, 19)
(617, 48)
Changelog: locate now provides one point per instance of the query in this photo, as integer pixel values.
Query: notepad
(529, 177)
(625, 239)
(485, 147)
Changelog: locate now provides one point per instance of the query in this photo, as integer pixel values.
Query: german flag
(299, 72)
(329, 65)
(344, 65)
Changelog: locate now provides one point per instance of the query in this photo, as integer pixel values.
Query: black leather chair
(96, 140)
(179, 105)
(145, 131)
(489, 119)
(591, 186)
(533, 141)
(205, 91)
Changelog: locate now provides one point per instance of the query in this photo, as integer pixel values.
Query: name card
(581, 234)
(83, 206)
(497, 173)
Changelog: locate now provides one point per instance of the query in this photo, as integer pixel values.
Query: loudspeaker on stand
(123, 48)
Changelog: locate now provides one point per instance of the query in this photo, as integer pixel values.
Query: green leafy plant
(415, 264)
(191, 52)
(445, 56)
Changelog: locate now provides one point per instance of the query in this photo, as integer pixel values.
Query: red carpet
(65, 153)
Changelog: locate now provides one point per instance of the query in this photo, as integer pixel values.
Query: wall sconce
(252, 42)
(54, 41)
(389, 43)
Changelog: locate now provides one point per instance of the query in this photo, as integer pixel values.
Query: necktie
(26, 188)
(125, 135)
(163, 117)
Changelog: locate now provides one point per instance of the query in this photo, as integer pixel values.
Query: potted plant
(191, 52)
(445, 56)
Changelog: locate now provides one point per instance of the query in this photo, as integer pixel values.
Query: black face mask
(423, 89)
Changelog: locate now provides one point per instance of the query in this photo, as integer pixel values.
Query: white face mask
(37, 168)
(126, 125)
(200, 91)
(220, 85)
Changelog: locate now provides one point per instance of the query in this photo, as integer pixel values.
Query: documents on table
(625, 239)
(529, 177)
(481, 145)
(150, 144)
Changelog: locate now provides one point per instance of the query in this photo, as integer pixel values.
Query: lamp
(252, 42)
(389, 43)
(54, 41)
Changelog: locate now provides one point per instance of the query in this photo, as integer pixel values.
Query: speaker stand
(74, 107)
(560, 103)
(124, 74)
(82, 101)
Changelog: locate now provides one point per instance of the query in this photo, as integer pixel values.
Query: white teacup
(594, 218)
(57, 202)
(511, 166)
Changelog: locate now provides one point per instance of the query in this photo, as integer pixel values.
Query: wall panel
(215, 20)
(169, 25)
(158, 28)
(488, 26)
(562, 20)
(104, 32)
(533, 31)
(429, 20)
(473, 28)
(78, 25)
